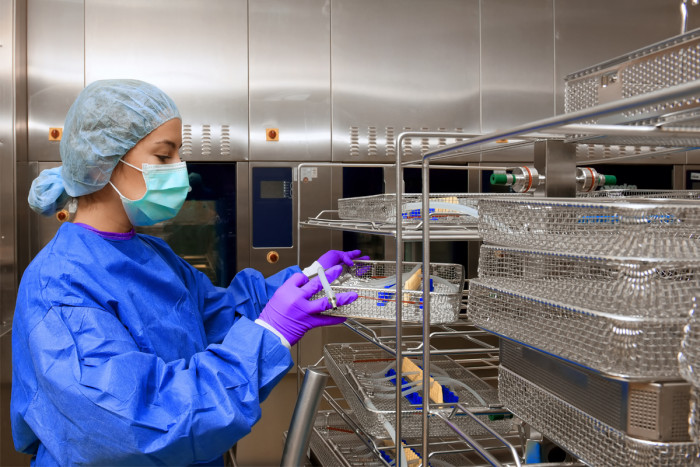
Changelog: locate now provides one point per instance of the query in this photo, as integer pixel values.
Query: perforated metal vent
(643, 409)
(581, 94)
(424, 143)
(390, 143)
(225, 141)
(681, 405)
(373, 143)
(407, 144)
(186, 150)
(354, 141)
(206, 140)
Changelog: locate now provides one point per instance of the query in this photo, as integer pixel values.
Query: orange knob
(55, 134)
(273, 257)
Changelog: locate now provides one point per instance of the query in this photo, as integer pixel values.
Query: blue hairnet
(47, 194)
(106, 120)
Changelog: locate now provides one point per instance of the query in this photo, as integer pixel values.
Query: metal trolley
(559, 139)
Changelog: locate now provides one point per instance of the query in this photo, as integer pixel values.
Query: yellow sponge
(407, 366)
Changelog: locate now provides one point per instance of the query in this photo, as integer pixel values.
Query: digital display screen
(272, 189)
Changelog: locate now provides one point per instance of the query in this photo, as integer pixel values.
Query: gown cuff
(284, 341)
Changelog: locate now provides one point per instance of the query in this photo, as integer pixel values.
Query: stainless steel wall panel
(517, 62)
(7, 166)
(590, 32)
(55, 59)
(290, 79)
(194, 51)
(400, 64)
(13, 137)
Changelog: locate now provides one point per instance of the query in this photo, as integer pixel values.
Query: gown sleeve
(101, 401)
(247, 295)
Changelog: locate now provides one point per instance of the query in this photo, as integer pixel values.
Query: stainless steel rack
(409, 232)
(558, 162)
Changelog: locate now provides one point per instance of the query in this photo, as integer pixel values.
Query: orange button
(55, 134)
(273, 257)
(272, 134)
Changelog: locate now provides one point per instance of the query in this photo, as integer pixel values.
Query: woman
(123, 354)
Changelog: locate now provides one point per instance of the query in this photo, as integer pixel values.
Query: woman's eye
(163, 158)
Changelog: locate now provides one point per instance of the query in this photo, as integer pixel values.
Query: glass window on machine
(204, 231)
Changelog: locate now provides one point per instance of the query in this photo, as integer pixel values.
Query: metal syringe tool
(327, 287)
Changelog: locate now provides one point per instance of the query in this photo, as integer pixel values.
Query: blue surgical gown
(124, 354)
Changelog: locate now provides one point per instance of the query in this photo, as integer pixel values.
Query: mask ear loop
(130, 165)
(116, 189)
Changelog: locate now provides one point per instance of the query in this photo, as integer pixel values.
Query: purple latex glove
(335, 257)
(362, 269)
(291, 312)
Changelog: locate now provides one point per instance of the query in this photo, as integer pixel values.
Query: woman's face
(161, 146)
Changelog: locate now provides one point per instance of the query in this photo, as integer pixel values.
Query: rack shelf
(463, 330)
(409, 233)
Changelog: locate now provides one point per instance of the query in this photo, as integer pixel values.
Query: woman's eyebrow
(169, 143)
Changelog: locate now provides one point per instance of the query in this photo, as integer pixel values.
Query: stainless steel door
(290, 80)
(195, 51)
(401, 64)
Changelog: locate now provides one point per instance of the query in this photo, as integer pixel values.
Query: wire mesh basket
(618, 285)
(375, 284)
(593, 441)
(362, 372)
(446, 208)
(617, 345)
(610, 227)
(694, 419)
(635, 193)
(664, 64)
(334, 443)
(689, 356)
(646, 410)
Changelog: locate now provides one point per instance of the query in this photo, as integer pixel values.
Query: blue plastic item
(415, 398)
(385, 296)
(533, 452)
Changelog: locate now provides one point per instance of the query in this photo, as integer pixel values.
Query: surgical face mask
(167, 186)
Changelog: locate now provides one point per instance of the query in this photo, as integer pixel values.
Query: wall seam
(481, 68)
(554, 53)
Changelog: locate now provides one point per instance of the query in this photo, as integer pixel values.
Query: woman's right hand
(291, 313)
